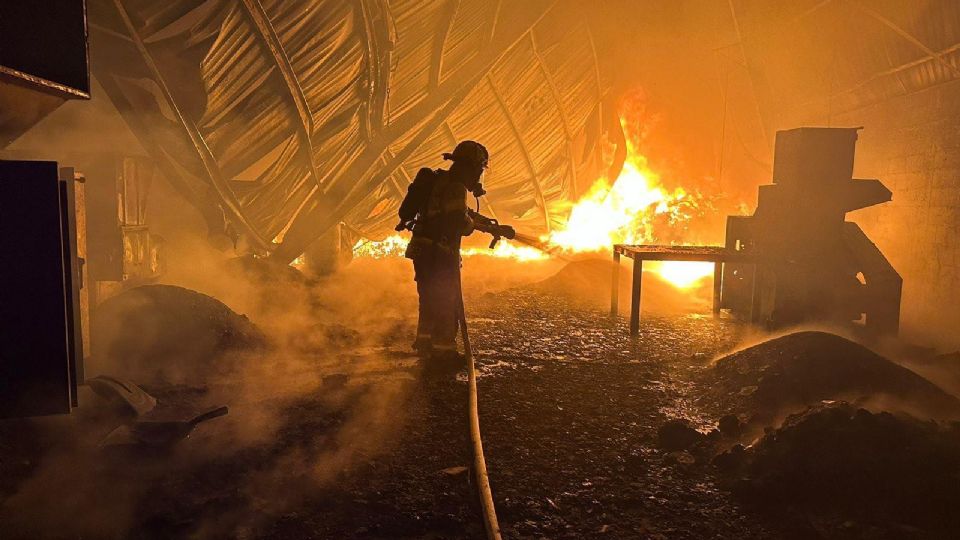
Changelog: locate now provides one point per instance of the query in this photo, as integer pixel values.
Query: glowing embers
(391, 246)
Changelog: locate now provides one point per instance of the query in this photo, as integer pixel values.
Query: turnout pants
(436, 276)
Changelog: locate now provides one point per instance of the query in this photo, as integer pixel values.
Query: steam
(329, 392)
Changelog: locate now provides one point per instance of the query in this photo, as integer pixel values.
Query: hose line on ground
(490, 523)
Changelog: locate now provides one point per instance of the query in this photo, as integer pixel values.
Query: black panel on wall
(35, 375)
(46, 38)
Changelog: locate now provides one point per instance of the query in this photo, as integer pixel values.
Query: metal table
(718, 255)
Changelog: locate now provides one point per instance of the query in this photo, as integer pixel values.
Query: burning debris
(635, 208)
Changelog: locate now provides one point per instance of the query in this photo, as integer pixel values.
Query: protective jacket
(439, 205)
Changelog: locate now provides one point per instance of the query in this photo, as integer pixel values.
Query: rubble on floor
(570, 410)
(677, 434)
(860, 467)
(785, 374)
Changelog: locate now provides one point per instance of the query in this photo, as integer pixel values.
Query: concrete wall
(912, 144)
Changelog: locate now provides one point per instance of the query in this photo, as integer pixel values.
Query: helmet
(469, 151)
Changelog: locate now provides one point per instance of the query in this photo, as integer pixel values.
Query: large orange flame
(631, 211)
(635, 208)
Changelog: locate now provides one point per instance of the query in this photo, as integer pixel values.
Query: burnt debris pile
(168, 333)
(841, 460)
(833, 434)
(783, 375)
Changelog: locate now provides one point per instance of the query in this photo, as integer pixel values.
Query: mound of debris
(845, 461)
(588, 281)
(790, 372)
(167, 333)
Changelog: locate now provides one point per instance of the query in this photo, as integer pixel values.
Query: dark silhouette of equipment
(810, 263)
(795, 259)
(43, 62)
(41, 353)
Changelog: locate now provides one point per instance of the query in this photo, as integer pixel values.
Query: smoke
(328, 390)
(869, 386)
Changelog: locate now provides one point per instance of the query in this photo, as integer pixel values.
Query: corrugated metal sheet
(301, 114)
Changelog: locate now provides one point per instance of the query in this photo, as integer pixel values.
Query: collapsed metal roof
(291, 117)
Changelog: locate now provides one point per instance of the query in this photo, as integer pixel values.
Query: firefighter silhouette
(435, 209)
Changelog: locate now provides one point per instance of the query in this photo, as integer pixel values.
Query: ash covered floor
(570, 409)
(351, 440)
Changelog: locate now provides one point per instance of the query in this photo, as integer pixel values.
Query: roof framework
(315, 111)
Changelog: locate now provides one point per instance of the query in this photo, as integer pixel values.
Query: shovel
(159, 433)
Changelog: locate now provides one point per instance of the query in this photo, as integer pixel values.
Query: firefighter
(436, 205)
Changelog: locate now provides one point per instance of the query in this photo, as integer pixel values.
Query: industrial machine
(807, 261)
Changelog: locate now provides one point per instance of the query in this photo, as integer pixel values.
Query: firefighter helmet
(471, 151)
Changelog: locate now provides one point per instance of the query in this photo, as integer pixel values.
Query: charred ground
(336, 433)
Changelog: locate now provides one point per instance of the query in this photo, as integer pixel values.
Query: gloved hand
(468, 224)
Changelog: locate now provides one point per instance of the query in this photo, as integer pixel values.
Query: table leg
(755, 295)
(615, 285)
(635, 297)
(717, 284)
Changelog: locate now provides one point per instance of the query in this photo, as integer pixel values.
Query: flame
(391, 246)
(624, 213)
(635, 208)
(632, 211)
(506, 249)
(395, 245)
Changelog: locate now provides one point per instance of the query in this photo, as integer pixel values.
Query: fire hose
(490, 523)
(497, 230)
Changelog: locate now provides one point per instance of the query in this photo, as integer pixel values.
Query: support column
(615, 284)
(635, 297)
(717, 284)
